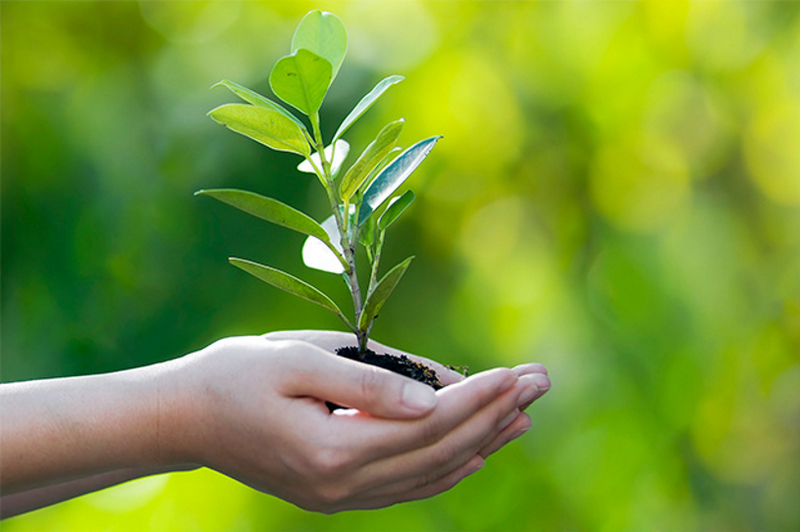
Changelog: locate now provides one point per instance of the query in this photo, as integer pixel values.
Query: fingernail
(527, 395)
(520, 432)
(508, 383)
(418, 396)
(541, 381)
(508, 420)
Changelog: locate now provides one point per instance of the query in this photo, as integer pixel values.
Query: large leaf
(267, 126)
(370, 158)
(301, 80)
(366, 102)
(324, 34)
(396, 207)
(251, 96)
(289, 283)
(393, 176)
(268, 209)
(382, 291)
(334, 156)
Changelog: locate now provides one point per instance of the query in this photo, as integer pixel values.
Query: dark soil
(402, 365)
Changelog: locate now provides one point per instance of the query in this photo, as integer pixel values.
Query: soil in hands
(399, 364)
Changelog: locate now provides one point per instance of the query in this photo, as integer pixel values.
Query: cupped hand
(261, 418)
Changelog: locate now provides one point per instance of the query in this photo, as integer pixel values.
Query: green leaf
(397, 206)
(393, 176)
(367, 234)
(301, 80)
(251, 96)
(288, 283)
(382, 291)
(370, 158)
(366, 102)
(268, 209)
(267, 126)
(324, 34)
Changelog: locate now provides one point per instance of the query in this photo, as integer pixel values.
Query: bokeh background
(617, 195)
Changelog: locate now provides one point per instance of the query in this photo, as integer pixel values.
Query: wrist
(177, 419)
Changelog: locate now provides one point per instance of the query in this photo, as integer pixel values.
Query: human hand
(533, 377)
(256, 411)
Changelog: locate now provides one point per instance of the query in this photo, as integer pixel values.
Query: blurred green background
(617, 196)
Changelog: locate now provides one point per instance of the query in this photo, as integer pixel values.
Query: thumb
(353, 384)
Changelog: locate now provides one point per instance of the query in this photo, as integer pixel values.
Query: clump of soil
(399, 364)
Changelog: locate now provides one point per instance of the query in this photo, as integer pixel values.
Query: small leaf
(267, 126)
(366, 102)
(251, 96)
(367, 234)
(370, 158)
(393, 176)
(319, 256)
(324, 34)
(382, 291)
(288, 283)
(397, 206)
(301, 80)
(339, 155)
(268, 209)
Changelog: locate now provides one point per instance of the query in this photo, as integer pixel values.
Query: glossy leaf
(382, 291)
(267, 126)
(319, 256)
(396, 207)
(301, 80)
(370, 158)
(339, 155)
(268, 209)
(393, 176)
(251, 96)
(288, 283)
(366, 102)
(324, 34)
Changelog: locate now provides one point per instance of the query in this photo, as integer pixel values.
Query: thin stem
(342, 220)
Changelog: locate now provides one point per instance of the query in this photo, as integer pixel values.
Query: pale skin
(253, 408)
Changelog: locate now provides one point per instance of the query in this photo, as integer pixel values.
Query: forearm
(33, 499)
(57, 430)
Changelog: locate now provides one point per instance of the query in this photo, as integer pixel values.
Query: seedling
(360, 198)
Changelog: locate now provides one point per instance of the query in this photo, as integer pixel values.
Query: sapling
(360, 198)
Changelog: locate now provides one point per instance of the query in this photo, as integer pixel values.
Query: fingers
(456, 404)
(374, 390)
(425, 465)
(517, 428)
(440, 485)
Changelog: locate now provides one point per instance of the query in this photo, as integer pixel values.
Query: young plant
(359, 198)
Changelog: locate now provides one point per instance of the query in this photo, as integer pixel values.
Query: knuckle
(371, 382)
(443, 455)
(430, 433)
(330, 462)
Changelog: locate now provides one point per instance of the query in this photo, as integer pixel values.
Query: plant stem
(342, 221)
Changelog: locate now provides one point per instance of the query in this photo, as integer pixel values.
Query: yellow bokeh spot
(772, 150)
(639, 184)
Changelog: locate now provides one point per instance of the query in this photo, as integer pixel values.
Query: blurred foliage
(617, 195)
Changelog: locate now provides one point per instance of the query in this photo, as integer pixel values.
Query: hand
(260, 417)
(529, 374)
